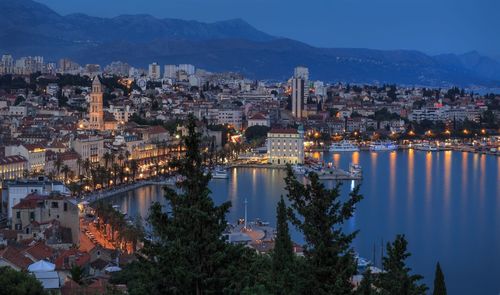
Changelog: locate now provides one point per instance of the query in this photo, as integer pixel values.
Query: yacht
(299, 169)
(380, 146)
(355, 170)
(343, 146)
(427, 147)
(220, 173)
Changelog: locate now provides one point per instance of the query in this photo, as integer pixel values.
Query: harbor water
(446, 203)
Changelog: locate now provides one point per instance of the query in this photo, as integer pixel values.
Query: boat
(380, 146)
(355, 170)
(343, 146)
(220, 173)
(427, 147)
(299, 170)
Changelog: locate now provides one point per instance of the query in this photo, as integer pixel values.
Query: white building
(14, 191)
(285, 146)
(231, 117)
(154, 72)
(34, 153)
(170, 72)
(259, 120)
(189, 69)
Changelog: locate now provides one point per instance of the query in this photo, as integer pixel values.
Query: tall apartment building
(170, 71)
(189, 69)
(299, 91)
(154, 72)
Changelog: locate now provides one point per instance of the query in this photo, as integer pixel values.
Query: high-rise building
(154, 72)
(170, 71)
(299, 90)
(96, 114)
(7, 64)
(189, 69)
(298, 96)
(301, 72)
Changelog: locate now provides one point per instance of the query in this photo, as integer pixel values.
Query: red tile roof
(284, 131)
(29, 202)
(40, 251)
(15, 257)
(71, 257)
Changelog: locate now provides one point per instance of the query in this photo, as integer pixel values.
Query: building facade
(285, 146)
(96, 113)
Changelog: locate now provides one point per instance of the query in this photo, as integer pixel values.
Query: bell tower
(96, 114)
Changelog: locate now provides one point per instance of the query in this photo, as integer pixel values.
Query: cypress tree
(319, 214)
(283, 256)
(366, 285)
(396, 278)
(188, 248)
(439, 284)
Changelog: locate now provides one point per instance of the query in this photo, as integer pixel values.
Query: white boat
(220, 173)
(343, 146)
(381, 146)
(427, 147)
(299, 169)
(355, 170)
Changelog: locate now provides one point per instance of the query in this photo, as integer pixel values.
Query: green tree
(319, 214)
(188, 249)
(256, 132)
(366, 285)
(396, 278)
(77, 274)
(283, 257)
(439, 284)
(19, 283)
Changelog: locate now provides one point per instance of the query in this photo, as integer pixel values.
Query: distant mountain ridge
(31, 28)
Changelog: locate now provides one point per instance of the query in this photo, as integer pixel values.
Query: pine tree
(188, 248)
(283, 257)
(366, 285)
(319, 214)
(396, 278)
(439, 284)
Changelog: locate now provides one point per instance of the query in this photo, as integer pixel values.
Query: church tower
(96, 114)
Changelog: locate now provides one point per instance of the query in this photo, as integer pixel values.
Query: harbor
(449, 197)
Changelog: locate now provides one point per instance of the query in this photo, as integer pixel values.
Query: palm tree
(65, 170)
(79, 162)
(116, 170)
(86, 166)
(107, 158)
(58, 163)
(121, 157)
(134, 167)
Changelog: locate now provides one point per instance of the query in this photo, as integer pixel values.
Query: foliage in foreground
(188, 254)
(19, 283)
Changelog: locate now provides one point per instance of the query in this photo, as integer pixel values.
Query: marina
(437, 199)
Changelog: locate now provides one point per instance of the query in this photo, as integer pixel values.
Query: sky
(431, 26)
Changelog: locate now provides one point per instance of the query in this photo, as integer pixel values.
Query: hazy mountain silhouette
(31, 28)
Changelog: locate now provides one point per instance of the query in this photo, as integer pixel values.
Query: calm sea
(446, 203)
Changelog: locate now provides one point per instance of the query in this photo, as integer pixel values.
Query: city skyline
(433, 28)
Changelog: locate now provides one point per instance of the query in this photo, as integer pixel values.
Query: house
(11, 257)
(259, 119)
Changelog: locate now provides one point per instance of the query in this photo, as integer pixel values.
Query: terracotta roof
(15, 257)
(72, 257)
(258, 116)
(11, 160)
(156, 130)
(284, 131)
(29, 202)
(40, 251)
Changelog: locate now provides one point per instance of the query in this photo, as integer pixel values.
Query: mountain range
(31, 28)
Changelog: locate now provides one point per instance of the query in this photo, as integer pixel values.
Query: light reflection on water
(446, 203)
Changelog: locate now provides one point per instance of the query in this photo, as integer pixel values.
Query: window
(32, 215)
(65, 206)
(55, 205)
(18, 214)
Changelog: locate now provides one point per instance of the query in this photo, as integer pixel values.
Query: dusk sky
(432, 26)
